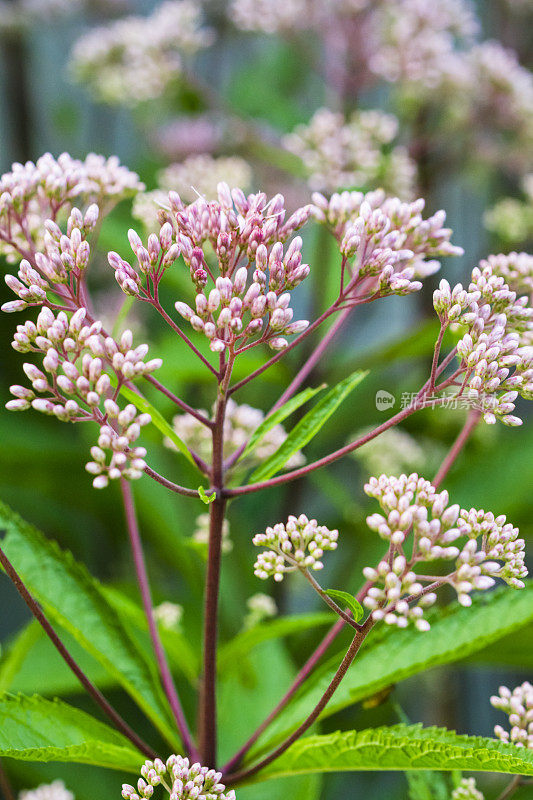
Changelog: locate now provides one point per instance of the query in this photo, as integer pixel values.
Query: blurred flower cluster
(136, 58)
(240, 423)
(357, 152)
(47, 791)
(196, 176)
(512, 219)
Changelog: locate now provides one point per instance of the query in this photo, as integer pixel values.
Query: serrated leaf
(400, 747)
(72, 598)
(308, 427)
(145, 407)
(278, 416)
(393, 655)
(245, 641)
(36, 729)
(348, 600)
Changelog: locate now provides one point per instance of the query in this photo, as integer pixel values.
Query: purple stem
(184, 406)
(144, 586)
(301, 677)
(6, 790)
(357, 641)
(436, 354)
(207, 712)
(472, 421)
(185, 338)
(304, 673)
(334, 631)
(281, 353)
(322, 462)
(174, 487)
(87, 684)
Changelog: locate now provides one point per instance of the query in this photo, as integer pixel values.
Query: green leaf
(245, 641)
(348, 600)
(72, 598)
(308, 427)
(206, 498)
(13, 659)
(33, 665)
(35, 729)
(400, 747)
(278, 416)
(143, 405)
(390, 656)
(177, 646)
(427, 785)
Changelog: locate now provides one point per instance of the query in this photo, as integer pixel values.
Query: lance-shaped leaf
(72, 598)
(391, 655)
(348, 600)
(36, 729)
(400, 747)
(31, 664)
(308, 427)
(278, 416)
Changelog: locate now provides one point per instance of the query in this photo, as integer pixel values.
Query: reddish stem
(177, 329)
(87, 684)
(184, 406)
(281, 353)
(472, 421)
(207, 712)
(357, 641)
(144, 587)
(322, 462)
(174, 487)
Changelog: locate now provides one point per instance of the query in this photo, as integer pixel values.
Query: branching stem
(329, 459)
(357, 641)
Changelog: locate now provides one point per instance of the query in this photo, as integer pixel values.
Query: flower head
(482, 546)
(495, 352)
(518, 704)
(47, 791)
(339, 153)
(183, 780)
(35, 192)
(233, 305)
(74, 385)
(168, 614)
(136, 58)
(260, 607)
(467, 790)
(299, 544)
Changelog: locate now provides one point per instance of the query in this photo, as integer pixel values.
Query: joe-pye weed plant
(244, 257)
